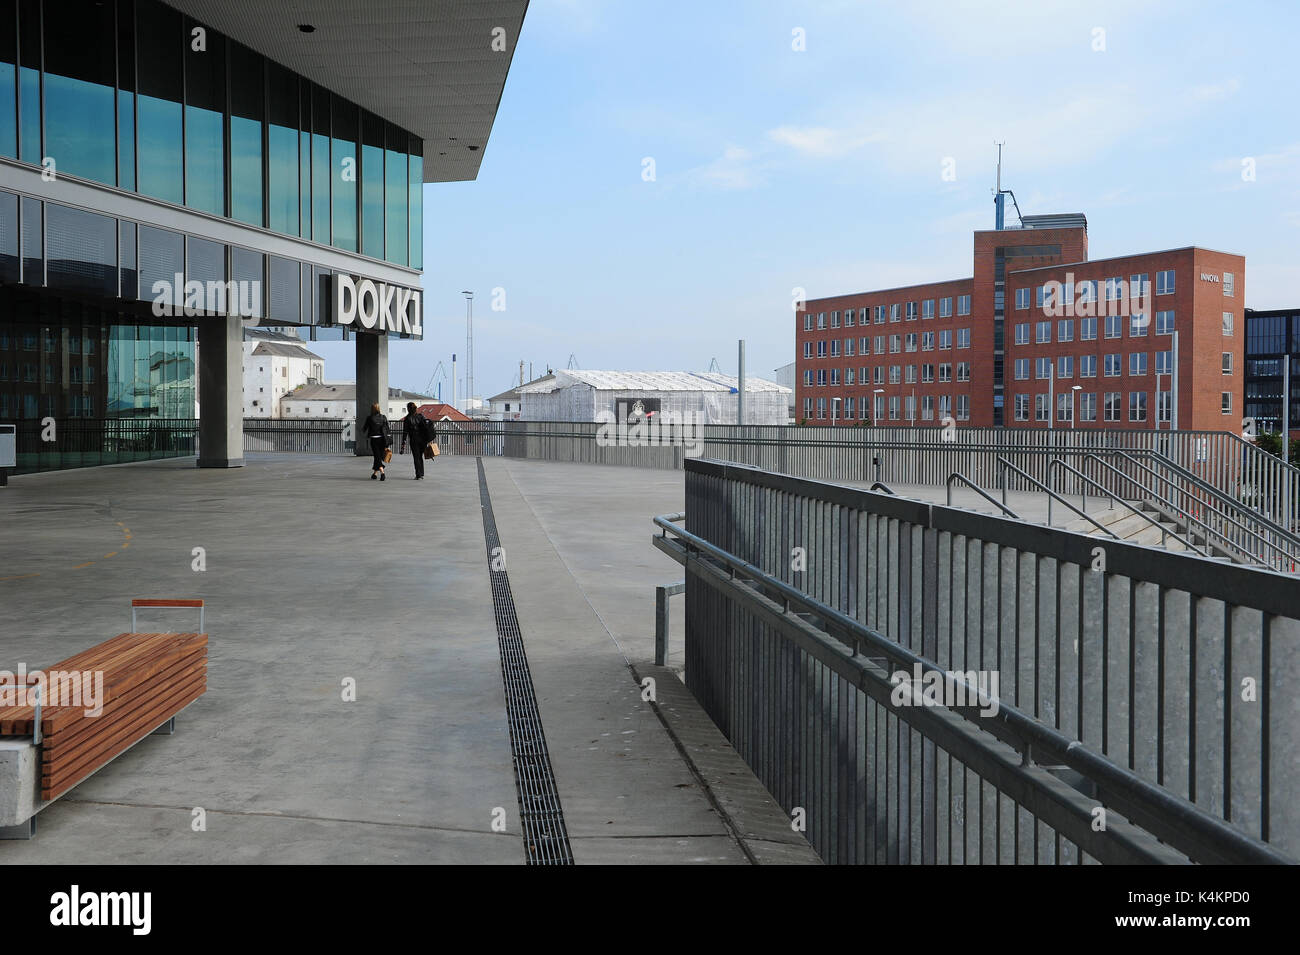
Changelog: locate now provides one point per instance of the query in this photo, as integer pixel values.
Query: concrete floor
(315, 574)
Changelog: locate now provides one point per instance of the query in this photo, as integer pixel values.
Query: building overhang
(435, 67)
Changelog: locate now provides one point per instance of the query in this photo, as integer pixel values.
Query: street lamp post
(469, 348)
(875, 412)
(1074, 411)
(835, 405)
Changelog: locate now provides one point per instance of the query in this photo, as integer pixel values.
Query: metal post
(740, 385)
(1286, 438)
(1051, 395)
(1173, 387)
(661, 626)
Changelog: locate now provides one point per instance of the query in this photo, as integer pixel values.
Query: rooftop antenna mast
(714, 366)
(999, 204)
(573, 361)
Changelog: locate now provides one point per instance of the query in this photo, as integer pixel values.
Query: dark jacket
(376, 425)
(417, 429)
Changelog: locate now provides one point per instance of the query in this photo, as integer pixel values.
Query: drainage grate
(546, 841)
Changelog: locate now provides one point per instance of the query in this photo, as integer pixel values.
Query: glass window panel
(372, 186)
(282, 150)
(206, 264)
(205, 139)
(8, 80)
(320, 165)
(246, 269)
(162, 258)
(82, 250)
(247, 89)
(416, 197)
(130, 288)
(343, 175)
(29, 81)
(395, 194)
(159, 167)
(283, 304)
(126, 140)
(33, 243)
(8, 237)
(80, 73)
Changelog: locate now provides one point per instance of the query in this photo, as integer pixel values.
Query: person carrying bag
(418, 431)
(380, 436)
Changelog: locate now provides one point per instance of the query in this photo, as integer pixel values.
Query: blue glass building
(169, 171)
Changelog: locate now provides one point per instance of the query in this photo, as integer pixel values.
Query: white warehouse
(576, 395)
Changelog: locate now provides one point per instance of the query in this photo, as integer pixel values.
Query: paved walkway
(314, 574)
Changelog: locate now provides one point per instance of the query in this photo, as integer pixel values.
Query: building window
(1065, 330)
(864, 345)
(1225, 402)
(808, 378)
(1164, 406)
(895, 313)
(1022, 407)
(945, 372)
(1087, 366)
(1112, 366)
(821, 407)
(835, 319)
(1038, 296)
(835, 348)
(848, 348)
(927, 341)
(963, 304)
(927, 374)
(1114, 326)
(848, 376)
(1112, 406)
(893, 407)
(1137, 406)
(821, 319)
(895, 344)
(911, 341)
(1227, 363)
(1114, 289)
(849, 318)
(807, 323)
(1137, 364)
(1139, 285)
(1088, 406)
(945, 307)
(1065, 406)
(963, 407)
(848, 407)
(864, 373)
(1040, 408)
(807, 349)
(1087, 329)
(1087, 290)
(1165, 282)
(927, 309)
(880, 344)
(821, 377)
(927, 407)
(1022, 333)
(911, 311)
(1164, 362)
(807, 408)
(880, 314)
(1227, 323)
(1065, 366)
(909, 374)
(1022, 369)
(963, 371)
(1043, 368)
(1137, 326)
(835, 376)
(1043, 332)
(1229, 284)
(895, 374)
(1022, 298)
(963, 338)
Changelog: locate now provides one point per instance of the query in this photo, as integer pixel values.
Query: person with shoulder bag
(418, 431)
(380, 436)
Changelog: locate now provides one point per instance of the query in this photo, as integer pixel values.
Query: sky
(663, 177)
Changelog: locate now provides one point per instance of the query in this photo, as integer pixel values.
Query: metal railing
(1086, 481)
(1137, 679)
(51, 444)
(303, 435)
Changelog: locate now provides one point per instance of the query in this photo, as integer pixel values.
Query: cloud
(734, 169)
(822, 141)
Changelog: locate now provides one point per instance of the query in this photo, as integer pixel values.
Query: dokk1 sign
(376, 306)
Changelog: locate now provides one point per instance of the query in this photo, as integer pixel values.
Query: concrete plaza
(313, 574)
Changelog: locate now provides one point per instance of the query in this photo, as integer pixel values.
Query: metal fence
(306, 435)
(1153, 684)
(52, 444)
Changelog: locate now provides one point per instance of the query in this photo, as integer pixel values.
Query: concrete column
(372, 381)
(221, 397)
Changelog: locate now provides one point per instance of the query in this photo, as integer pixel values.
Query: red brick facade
(942, 361)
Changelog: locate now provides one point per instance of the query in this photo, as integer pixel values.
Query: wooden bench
(147, 678)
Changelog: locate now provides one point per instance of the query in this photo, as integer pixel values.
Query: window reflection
(205, 137)
(158, 107)
(80, 73)
(246, 90)
(395, 194)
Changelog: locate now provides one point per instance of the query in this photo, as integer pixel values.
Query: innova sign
(376, 306)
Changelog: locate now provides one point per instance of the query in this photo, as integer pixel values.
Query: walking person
(380, 436)
(418, 431)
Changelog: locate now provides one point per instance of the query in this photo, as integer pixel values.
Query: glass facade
(201, 121)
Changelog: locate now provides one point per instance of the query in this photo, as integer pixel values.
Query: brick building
(1039, 336)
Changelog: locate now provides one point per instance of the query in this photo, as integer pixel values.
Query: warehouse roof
(347, 391)
(648, 381)
(282, 350)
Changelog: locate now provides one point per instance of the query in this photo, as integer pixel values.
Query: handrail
(880, 486)
(1164, 531)
(957, 476)
(1210, 489)
(1181, 822)
(1004, 464)
(1286, 555)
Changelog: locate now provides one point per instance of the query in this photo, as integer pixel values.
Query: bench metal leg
(167, 729)
(24, 830)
